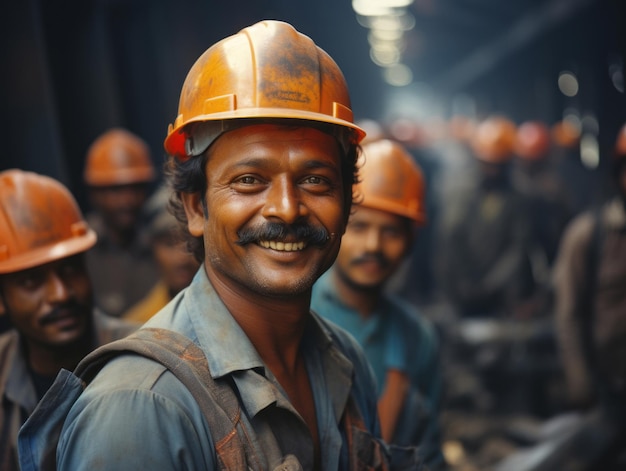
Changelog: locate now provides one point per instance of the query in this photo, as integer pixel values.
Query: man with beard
(118, 171)
(400, 344)
(45, 293)
(262, 160)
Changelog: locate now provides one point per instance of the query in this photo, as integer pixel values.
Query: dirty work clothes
(121, 276)
(134, 400)
(573, 277)
(17, 389)
(395, 336)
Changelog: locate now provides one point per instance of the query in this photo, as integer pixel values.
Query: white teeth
(282, 246)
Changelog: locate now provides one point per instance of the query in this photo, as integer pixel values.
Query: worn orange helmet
(118, 157)
(494, 139)
(267, 70)
(532, 141)
(390, 180)
(40, 221)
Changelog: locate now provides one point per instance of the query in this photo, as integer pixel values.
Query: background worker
(550, 205)
(118, 172)
(45, 293)
(590, 310)
(401, 345)
(176, 265)
(590, 292)
(262, 159)
(485, 268)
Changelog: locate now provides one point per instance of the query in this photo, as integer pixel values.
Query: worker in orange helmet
(401, 345)
(550, 204)
(46, 295)
(118, 172)
(485, 267)
(262, 158)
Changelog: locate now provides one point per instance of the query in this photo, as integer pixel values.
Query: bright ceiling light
(398, 75)
(568, 84)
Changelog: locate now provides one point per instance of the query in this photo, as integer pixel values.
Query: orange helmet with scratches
(390, 180)
(266, 71)
(40, 221)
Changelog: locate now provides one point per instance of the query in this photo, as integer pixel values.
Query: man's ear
(192, 202)
(3, 308)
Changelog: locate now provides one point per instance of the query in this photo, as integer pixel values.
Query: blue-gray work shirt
(137, 415)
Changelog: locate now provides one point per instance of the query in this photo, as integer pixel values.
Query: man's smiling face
(274, 208)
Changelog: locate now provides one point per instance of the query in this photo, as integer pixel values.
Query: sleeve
(128, 429)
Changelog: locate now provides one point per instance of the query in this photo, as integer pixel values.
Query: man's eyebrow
(321, 163)
(261, 163)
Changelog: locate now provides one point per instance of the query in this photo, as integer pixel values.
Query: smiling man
(262, 162)
(45, 293)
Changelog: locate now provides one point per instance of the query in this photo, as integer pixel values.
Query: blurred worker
(262, 158)
(45, 293)
(590, 288)
(550, 207)
(177, 266)
(402, 347)
(485, 263)
(118, 172)
(590, 284)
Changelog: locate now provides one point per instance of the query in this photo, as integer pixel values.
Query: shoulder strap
(187, 362)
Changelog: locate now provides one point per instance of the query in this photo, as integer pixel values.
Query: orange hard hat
(40, 221)
(390, 180)
(565, 134)
(494, 139)
(267, 70)
(118, 157)
(532, 141)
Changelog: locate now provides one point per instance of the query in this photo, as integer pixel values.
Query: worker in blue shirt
(401, 346)
(262, 158)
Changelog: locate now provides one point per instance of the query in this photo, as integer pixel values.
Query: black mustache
(371, 257)
(71, 308)
(277, 231)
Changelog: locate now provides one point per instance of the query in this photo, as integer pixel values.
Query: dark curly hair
(189, 177)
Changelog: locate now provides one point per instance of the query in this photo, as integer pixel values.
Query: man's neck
(364, 301)
(49, 361)
(274, 325)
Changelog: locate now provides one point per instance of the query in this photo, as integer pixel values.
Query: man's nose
(284, 202)
(373, 240)
(57, 289)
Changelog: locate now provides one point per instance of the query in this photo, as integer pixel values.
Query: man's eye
(315, 180)
(247, 180)
(30, 281)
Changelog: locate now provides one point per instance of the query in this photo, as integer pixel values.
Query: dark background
(73, 68)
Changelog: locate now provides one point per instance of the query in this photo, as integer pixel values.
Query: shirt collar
(218, 333)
